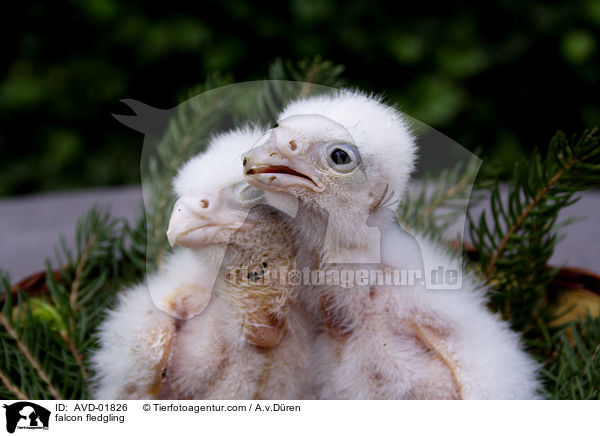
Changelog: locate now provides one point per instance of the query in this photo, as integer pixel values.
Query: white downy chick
(141, 328)
(223, 349)
(251, 341)
(338, 155)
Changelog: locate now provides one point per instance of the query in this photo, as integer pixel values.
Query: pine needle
(27, 353)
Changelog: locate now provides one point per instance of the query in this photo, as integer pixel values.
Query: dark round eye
(340, 157)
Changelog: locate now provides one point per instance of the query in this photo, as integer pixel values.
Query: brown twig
(515, 227)
(538, 198)
(593, 359)
(78, 273)
(73, 303)
(11, 387)
(32, 360)
(448, 194)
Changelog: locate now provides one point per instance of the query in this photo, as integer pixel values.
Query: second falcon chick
(252, 341)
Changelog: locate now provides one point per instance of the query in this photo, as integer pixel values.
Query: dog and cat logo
(26, 415)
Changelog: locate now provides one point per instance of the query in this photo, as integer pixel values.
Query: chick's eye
(340, 157)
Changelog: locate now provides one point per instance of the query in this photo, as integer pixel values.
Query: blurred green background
(501, 76)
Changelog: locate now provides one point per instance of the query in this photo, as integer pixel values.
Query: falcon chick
(251, 341)
(233, 338)
(339, 155)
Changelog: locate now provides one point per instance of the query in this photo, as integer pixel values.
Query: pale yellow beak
(192, 227)
(275, 165)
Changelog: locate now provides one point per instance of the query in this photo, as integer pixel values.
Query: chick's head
(339, 153)
(213, 200)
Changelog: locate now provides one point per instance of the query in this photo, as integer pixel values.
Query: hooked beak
(266, 167)
(192, 228)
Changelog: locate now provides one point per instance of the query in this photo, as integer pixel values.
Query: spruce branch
(73, 298)
(539, 198)
(515, 241)
(436, 202)
(573, 369)
(450, 193)
(29, 356)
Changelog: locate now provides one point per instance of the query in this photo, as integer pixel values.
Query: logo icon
(26, 415)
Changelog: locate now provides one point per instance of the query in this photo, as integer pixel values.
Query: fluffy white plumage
(136, 337)
(251, 341)
(141, 329)
(332, 342)
(225, 347)
(379, 342)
